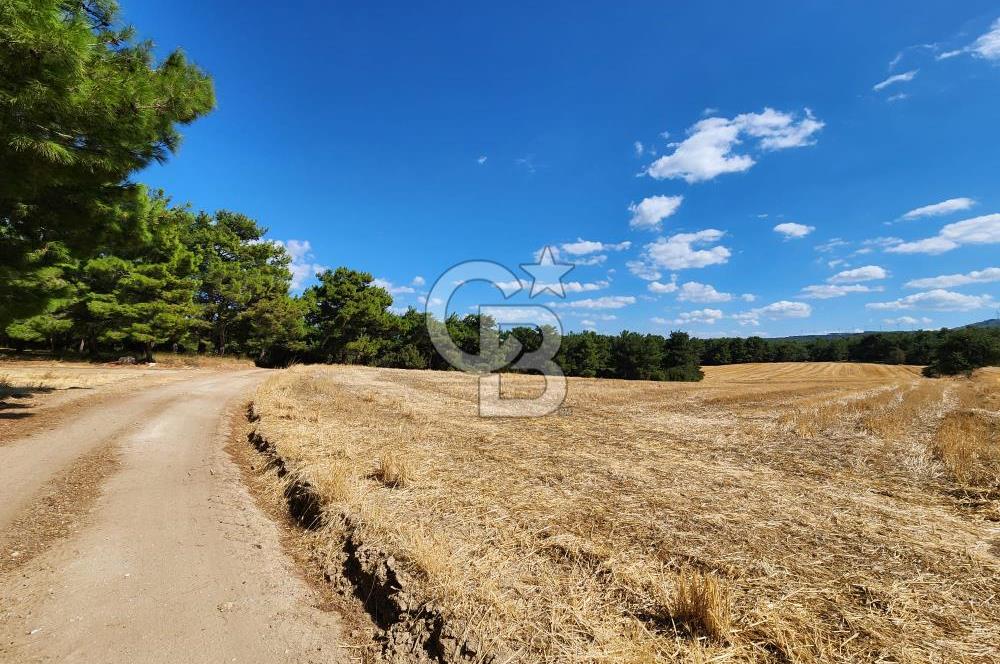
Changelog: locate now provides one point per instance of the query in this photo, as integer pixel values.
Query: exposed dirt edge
(409, 630)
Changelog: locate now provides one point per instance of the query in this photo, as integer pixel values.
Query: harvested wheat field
(785, 512)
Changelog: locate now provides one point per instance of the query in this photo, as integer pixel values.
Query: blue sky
(721, 169)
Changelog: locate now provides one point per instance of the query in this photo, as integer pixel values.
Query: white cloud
(836, 262)
(705, 316)
(907, 320)
(650, 212)
(583, 247)
(774, 311)
(748, 297)
(897, 78)
(692, 291)
(418, 281)
(830, 245)
(985, 276)
(935, 300)
(790, 230)
(527, 162)
(988, 45)
(598, 259)
(482, 160)
(657, 287)
(707, 152)
(606, 302)
(678, 252)
(302, 266)
(512, 314)
(585, 287)
(931, 245)
(434, 301)
(507, 285)
(643, 270)
(942, 208)
(393, 289)
(827, 291)
(978, 230)
(899, 96)
(780, 131)
(588, 323)
(866, 273)
(568, 286)
(639, 148)
(880, 242)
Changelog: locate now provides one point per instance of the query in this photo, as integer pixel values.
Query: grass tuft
(393, 470)
(702, 604)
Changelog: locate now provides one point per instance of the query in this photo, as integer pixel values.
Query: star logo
(547, 274)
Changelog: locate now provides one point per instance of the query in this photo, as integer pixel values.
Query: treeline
(945, 351)
(632, 355)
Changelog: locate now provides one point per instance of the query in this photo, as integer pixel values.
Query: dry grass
(63, 376)
(815, 521)
(393, 471)
(702, 604)
(57, 375)
(181, 361)
(968, 443)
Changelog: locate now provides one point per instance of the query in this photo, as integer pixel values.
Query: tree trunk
(148, 347)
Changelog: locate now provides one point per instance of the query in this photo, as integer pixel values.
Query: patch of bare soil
(138, 542)
(59, 511)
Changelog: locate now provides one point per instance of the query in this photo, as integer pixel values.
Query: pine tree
(82, 106)
(243, 283)
(348, 317)
(143, 296)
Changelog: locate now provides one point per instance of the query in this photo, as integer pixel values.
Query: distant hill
(991, 322)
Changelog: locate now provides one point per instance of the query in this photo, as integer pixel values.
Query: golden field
(782, 512)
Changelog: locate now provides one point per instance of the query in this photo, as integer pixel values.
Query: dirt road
(126, 535)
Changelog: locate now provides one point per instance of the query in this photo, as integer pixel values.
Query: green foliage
(82, 106)
(587, 354)
(945, 351)
(637, 356)
(243, 283)
(965, 350)
(275, 330)
(144, 295)
(681, 358)
(348, 317)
